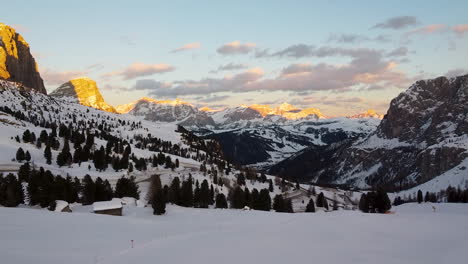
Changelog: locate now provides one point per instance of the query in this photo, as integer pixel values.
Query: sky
(342, 57)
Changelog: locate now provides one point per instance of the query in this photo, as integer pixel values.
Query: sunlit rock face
(16, 62)
(85, 91)
(179, 111)
(370, 113)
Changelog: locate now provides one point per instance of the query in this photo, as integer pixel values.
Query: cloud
(429, 29)
(303, 50)
(398, 52)
(297, 69)
(95, 67)
(229, 67)
(188, 46)
(398, 22)
(236, 47)
(456, 72)
(137, 69)
(52, 77)
(356, 38)
(460, 29)
(205, 86)
(148, 84)
(210, 99)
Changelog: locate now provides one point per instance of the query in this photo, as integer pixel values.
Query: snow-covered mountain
(84, 91)
(177, 111)
(264, 143)
(423, 136)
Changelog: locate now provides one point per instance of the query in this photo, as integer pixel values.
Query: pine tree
(278, 203)
(204, 195)
(427, 197)
(20, 154)
(24, 172)
(27, 156)
(382, 203)
(127, 187)
(321, 201)
(288, 206)
(13, 191)
(159, 204)
(270, 185)
(155, 185)
(187, 193)
(48, 154)
(310, 208)
(247, 197)
(174, 192)
(363, 203)
(26, 136)
(265, 200)
(241, 179)
(89, 190)
(237, 200)
(221, 201)
(255, 199)
(420, 196)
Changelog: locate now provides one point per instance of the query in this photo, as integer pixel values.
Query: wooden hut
(113, 207)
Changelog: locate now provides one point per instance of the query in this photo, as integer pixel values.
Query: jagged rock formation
(423, 135)
(84, 91)
(167, 111)
(368, 113)
(16, 62)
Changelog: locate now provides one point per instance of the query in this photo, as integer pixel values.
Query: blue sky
(340, 56)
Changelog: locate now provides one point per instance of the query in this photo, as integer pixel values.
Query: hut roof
(60, 205)
(107, 205)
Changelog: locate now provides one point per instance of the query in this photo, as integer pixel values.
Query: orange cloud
(188, 46)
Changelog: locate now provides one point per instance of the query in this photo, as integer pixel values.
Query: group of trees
(449, 195)
(375, 202)
(43, 188)
(282, 205)
(192, 194)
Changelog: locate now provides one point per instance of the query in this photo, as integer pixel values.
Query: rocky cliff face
(85, 92)
(16, 62)
(423, 134)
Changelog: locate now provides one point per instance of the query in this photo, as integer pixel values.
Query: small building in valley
(113, 207)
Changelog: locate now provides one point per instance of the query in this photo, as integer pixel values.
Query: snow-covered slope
(412, 235)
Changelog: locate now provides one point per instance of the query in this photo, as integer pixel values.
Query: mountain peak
(286, 107)
(369, 113)
(16, 62)
(208, 109)
(84, 90)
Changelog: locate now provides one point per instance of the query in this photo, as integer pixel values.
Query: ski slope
(413, 234)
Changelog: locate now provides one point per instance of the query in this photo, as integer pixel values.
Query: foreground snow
(414, 234)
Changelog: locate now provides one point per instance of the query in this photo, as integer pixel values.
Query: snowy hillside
(411, 235)
(28, 112)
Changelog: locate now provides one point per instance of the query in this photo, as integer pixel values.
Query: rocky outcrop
(83, 91)
(16, 62)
